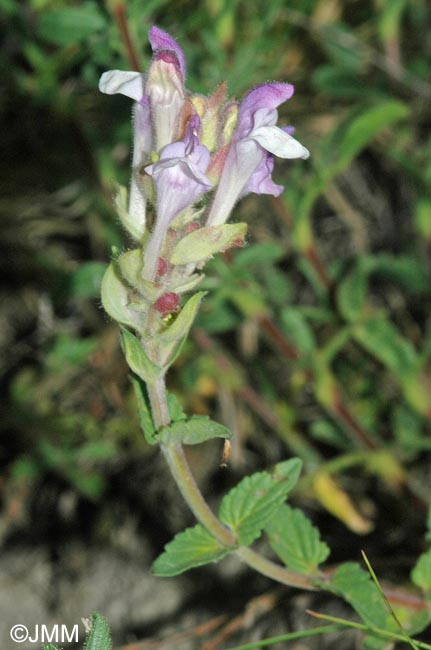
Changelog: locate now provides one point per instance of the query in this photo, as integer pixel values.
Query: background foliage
(314, 340)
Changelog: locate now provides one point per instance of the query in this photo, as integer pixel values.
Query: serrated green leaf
(295, 540)
(381, 339)
(99, 637)
(351, 294)
(133, 226)
(191, 548)
(298, 330)
(193, 431)
(207, 241)
(355, 586)
(144, 409)
(65, 26)
(115, 298)
(364, 128)
(421, 573)
(247, 508)
(137, 359)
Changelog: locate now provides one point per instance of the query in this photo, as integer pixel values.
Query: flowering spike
(185, 145)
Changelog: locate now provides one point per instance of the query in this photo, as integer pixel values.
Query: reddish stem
(315, 261)
(341, 412)
(279, 339)
(121, 18)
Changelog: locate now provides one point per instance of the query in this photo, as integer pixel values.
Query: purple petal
(266, 96)
(179, 177)
(260, 182)
(172, 151)
(241, 162)
(191, 139)
(288, 129)
(142, 144)
(160, 40)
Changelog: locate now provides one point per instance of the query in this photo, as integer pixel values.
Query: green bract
(201, 244)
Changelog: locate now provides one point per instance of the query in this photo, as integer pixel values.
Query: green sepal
(170, 341)
(191, 548)
(295, 540)
(193, 431)
(182, 285)
(248, 507)
(130, 265)
(137, 230)
(115, 298)
(99, 637)
(205, 242)
(183, 322)
(137, 359)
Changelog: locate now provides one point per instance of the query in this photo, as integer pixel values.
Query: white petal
(265, 117)
(278, 142)
(123, 83)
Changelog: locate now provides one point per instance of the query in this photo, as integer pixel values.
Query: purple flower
(163, 84)
(260, 181)
(161, 42)
(159, 96)
(179, 177)
(249, 162)
(142, 143)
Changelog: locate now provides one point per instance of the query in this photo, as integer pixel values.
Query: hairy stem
(188, 487)
(274, 571)
(120, 17)
(180, 469)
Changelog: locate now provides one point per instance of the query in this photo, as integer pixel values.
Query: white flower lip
(122, 82)
(279, 143)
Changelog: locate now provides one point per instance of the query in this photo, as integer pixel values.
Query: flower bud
(167, 303)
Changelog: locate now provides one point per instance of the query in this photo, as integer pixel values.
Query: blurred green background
(315, 339)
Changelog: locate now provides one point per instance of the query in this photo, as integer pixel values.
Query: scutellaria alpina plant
(194, 158)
